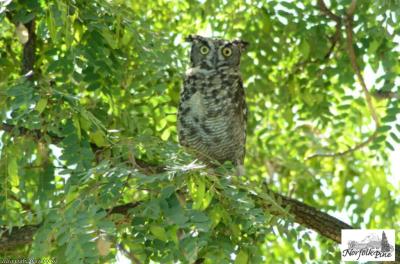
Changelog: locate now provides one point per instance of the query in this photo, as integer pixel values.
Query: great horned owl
(212, 110)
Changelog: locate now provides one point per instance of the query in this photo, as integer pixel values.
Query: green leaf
(13, 171)
(216, 214)
(389, 146)
(380, 139)
(398, 127)
(23, 16)
(99, 138)
(389, 118)
(242, 257)
(394, 137)
(304, 49)
(174, 212)
(312, 253)
(41, 105)
(159, 232)
(384, 128)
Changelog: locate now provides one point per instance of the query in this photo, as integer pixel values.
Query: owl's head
(209, 53)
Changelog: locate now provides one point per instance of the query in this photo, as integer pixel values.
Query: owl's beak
(215, 61)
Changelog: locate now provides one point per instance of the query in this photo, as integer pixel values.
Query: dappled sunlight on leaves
(88, 141)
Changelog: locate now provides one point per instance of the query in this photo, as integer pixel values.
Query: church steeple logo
(368, 245)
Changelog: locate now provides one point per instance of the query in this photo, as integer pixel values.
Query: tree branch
(17, 236)
(312, 218)
(25, 206)
(322, 6)
(144, 166)
(128, 254)
(379, 94)
(28, 59)
(29, 49)
(353, 60)
(348, 151)
(334, 40)
(305, 215)
(352, 8)
(37, 134)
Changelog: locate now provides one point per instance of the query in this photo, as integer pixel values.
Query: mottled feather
(212, 110)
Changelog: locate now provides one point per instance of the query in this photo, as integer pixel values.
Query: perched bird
(212, 109)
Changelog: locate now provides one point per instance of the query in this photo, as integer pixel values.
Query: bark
(312, 218)
(16, 237)
(29, 57)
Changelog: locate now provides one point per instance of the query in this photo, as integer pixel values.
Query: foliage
(99, 115)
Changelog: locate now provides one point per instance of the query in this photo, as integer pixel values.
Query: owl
(212, 112)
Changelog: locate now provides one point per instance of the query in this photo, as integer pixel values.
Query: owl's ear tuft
(241, 44)
(192, 38)
(189, 38)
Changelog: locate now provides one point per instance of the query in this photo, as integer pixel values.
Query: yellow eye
(204, 50)
(226, 52)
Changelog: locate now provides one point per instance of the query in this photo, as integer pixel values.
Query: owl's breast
(197, 103)
(209, 116)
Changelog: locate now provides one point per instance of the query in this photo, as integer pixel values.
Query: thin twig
(322, 6)
(352, 8)
(25, 206)
(303, 214)
(344, 153)
(353, 60)
(128, 254)
(37, 134)
(379, 94)
(334, 39)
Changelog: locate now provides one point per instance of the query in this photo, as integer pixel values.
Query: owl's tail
(240, 171)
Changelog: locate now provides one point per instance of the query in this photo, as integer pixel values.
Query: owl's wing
(239, 101)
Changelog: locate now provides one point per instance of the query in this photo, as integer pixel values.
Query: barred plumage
(212, 109)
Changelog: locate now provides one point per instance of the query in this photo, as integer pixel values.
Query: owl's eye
(226, 52)
(204, 50)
